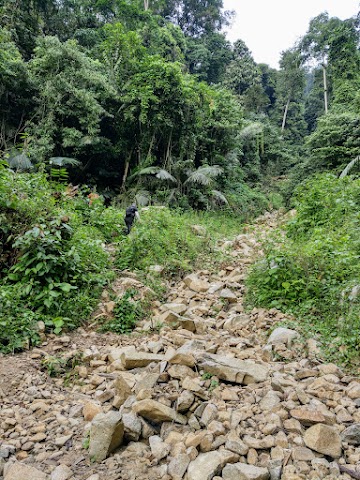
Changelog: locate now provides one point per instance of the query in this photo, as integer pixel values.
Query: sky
(270, 26)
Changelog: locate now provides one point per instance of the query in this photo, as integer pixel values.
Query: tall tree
(242, 72)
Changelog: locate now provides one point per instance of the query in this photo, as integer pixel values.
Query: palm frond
(159, 173)
(64, 162)
(204, 175)
(219, 197)
(349, 166)
(19, 162)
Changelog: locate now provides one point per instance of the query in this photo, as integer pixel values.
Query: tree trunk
(126, 172)
(285, 115)
(325, 89)
(146, 5)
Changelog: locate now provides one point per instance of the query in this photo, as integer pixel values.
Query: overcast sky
(270, 26)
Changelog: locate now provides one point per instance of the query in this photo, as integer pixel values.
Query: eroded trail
(208, 397)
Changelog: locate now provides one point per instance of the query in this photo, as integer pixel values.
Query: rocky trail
(209, 395)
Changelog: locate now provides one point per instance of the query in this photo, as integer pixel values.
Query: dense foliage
(313, 272)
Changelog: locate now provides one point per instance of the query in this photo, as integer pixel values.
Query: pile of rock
(212, 396)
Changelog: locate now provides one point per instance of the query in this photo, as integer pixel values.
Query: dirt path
(207, 396)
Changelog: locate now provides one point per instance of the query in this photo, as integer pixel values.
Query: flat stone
(233, 369)
(259, 443)
(157, 412)
(132, 359)
(323, 439)
(307, 416)
(106, 434)
(243, 471)
(209, 464)
(20, 471)
(122, 391)
(178, 308)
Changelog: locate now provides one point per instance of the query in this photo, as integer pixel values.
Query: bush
(165, 238)
(314, 270)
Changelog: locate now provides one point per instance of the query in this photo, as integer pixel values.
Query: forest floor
(199, 392)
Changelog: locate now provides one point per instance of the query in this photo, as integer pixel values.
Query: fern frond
(64, 162)
(204, 175)
(219, 197)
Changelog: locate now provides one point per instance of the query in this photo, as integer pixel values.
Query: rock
(193, 282)
(282, 335)
(308, 416)
(209, 464)
(353, 391)
(323, 439)
(232, 369)
(122, 391)
(62, 472)
(159, 449)
(132, 359)
(243, 471)
(178, 466)
(106, 434)
(184, 401)
(269, 401)
(302, 454)
(132, 426)
(259, 443)
(20, 471)
(90, 410)
(198, 230)
(158, 412)
(227, 294)
(178, 308)
(352, 434)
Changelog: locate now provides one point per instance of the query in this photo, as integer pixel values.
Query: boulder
(122, 391)
(233, 369)
(323, 439)
(178, 466)
(178, 308)
(282, 335)
(106, 434)
(227, 294)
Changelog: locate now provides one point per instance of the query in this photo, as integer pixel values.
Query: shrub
(313, 271)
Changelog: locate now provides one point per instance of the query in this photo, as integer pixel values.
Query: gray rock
(159, 449)
(132, 426)
(282, 335)
(352, 434)
(106, 434)
(233, 369)
(62, 472)
(178, 466)
(243, 471)
(20, 471)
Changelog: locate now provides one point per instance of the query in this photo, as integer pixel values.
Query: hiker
(131, 214)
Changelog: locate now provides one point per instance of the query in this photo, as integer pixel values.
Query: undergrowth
(313, 272)
(54, 261)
